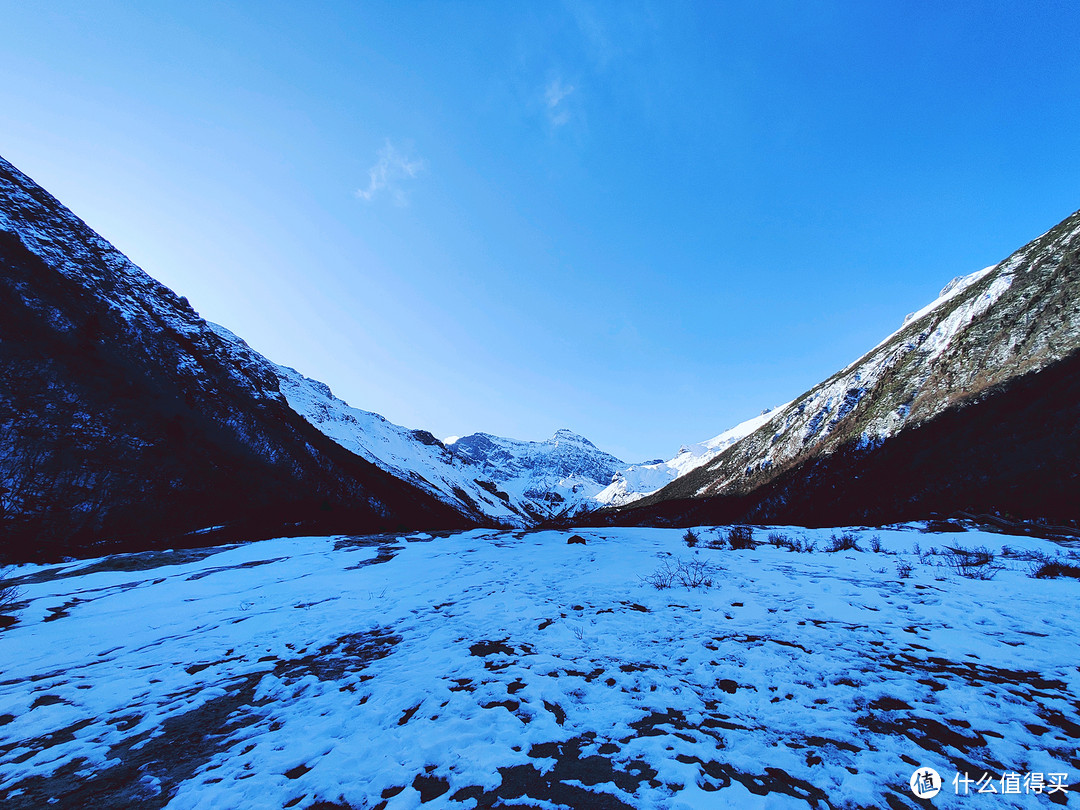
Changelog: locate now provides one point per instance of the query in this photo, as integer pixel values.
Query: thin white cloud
(555, 94)
(595, 29)
(391, 168)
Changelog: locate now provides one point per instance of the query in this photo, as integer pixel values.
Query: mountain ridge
(126, 422)
(534, 481)
(985, 333)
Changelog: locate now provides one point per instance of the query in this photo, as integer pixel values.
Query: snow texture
(486, 667)
(916, 347)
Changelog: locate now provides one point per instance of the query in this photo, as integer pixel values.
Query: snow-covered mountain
(994, 344)
(126, 419)
(638, 480)
(125, 416)
(555, 478)
(491, 479)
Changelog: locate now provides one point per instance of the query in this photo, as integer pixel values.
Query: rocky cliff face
(556, 478)
(992, 343)
(126, 421)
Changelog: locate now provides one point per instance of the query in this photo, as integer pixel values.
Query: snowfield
(514, 669)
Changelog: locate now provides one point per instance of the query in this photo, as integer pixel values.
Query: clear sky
(641, 221)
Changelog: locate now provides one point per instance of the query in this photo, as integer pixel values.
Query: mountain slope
(125, 419)
(493, 480)
(636, 482)
(972, 394)
(556, 478)
(412, 455)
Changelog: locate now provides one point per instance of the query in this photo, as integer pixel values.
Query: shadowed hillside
(972, 405)
(125, 422)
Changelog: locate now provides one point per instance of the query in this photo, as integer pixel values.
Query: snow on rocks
(491, 479)
(490, 667)
(635, 482)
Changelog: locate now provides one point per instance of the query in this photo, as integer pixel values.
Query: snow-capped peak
(489, 478)
(565, 435)
(639, 480)
(950, 290)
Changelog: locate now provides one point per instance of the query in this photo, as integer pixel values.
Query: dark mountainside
(126, 423)
(972, 408)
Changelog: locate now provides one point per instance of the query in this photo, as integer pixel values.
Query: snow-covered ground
(512, 668)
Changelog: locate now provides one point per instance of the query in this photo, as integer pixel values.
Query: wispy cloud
(392, 167)
(595, 29)
(555, 94)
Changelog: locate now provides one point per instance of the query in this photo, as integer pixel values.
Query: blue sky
(644, 222)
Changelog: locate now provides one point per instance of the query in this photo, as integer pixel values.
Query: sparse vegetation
(843, 542)
(975, 563)
(690, 538)
(741, 537)
(904, 569)
(875, 544)
(1052, 569)
(9, 596)
(795, 544)
(662, 578)
(684, 573)
(1025, 555)
(695, 574)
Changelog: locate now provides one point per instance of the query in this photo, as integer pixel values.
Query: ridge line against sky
(643, 222)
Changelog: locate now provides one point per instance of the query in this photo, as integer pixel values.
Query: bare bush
(843, 542)
(904, 569)
(795, 544)
(695, 574)
(10, 595)
(685, 573)
(741, 537)
(973, 563)
(662, 578)
(875, 544)
(690, 538)
(1025, 555)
